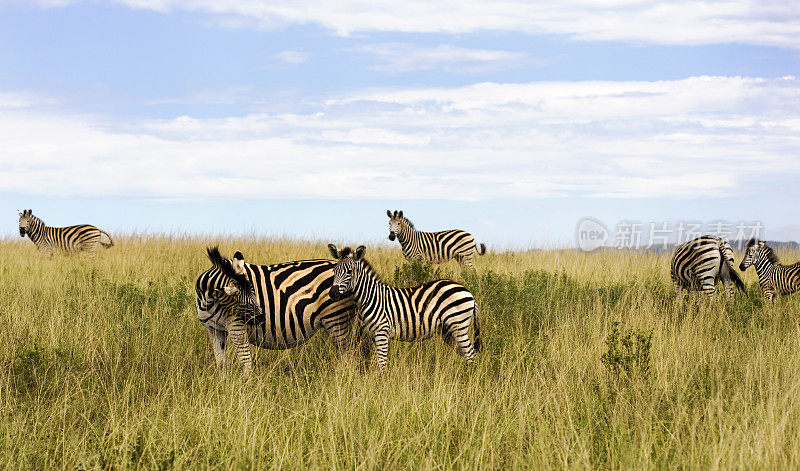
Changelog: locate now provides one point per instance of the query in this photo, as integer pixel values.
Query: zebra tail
(478, 343)
(482, 251)
(726, 252)
(736, 279)
(110, 240)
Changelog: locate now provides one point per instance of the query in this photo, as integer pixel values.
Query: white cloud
(403, 57)
(761, 22)
(291, 57)
(698, 137)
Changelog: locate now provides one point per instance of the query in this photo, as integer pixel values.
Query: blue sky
(508, 119)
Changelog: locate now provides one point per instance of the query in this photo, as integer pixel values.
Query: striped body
(441, 307)
(773, 277)
(438, 246)
(71, 239)
(697, 265)
(293, 300)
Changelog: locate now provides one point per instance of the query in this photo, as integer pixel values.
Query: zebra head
(395, 220)
(754, 251)
(25, 218)
(343, 280)
(231, 288)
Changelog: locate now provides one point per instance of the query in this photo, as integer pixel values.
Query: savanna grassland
(589, 361)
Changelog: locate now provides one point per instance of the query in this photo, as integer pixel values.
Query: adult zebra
(773, 277)
(438, 246)
(83, 237)
(699, 263)
(271, 306)
(437, 307)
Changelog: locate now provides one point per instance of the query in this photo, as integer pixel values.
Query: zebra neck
(366, 284)
(405, 235)
(36, 229)
(764, 268)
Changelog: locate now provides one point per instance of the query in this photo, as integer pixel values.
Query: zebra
(773, 277)
(438, 246)
(699, 263)
(270, 306)
(48, 240)
(437, 307)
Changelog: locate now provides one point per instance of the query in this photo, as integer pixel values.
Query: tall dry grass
(103, 364)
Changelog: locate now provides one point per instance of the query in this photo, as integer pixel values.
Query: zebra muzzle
(337, 292)
(391, 236)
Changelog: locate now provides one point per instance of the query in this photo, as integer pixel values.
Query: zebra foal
(437, 307)
(270, 306)
(80, 238)
(773, 277)
(435, 246)
(699, 263)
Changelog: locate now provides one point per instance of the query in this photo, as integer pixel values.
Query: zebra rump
(699, 263)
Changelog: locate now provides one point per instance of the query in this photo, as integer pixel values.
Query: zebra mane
(370, 269)
(771, 255)
(408, 221)
(224, 265)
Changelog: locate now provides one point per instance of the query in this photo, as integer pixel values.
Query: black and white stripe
(773, 277)
(290, 302)
(81, 238)
(435, 246)
(438, 307)
(697, 265)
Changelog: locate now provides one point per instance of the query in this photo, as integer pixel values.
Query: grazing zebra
(438, 246)
(288, 304)
(699, 263)
(48, 240)
(437, 307)
(773, 277)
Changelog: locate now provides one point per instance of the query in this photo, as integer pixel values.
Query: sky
(512, 120)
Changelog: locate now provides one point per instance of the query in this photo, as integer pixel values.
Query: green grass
(103, 364)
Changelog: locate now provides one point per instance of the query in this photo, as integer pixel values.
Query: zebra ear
(333, 251)
(20, 212)
(238, 265)
(360, 252)
(389, 213)
(231, 290)
(400, 214)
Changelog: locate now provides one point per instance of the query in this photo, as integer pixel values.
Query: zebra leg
(218, 338)
(707, 287)
(340, 330)
(466, 260)
(769, 296)
(381, 342)
(460, 341)
(238, 333)
(728, 285)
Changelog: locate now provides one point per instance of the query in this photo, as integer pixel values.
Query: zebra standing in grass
(48, 240)
(701, 262)
(437, 307)
(773, 277)
(271, 306)
(435, 246)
